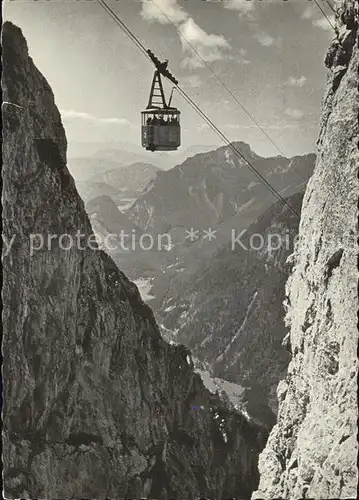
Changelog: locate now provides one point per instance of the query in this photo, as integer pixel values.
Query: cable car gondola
(161, 130)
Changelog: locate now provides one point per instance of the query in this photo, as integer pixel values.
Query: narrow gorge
(97, 403)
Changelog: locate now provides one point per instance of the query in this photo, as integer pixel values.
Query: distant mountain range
(83, 168)
(123, 183)
(108, 221)
(210, 188)
(126, 153)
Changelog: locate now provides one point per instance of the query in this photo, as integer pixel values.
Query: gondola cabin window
(161, 129)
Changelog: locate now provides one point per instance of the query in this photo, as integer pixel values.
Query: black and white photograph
(180, 249)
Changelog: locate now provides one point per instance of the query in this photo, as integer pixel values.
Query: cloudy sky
(269, 53)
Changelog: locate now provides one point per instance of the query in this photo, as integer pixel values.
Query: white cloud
(236, 126)
(80, 115)
(308, 13)
(267, 40)
(279, 126)
(296, 114)
(243, 7)
(193, 81)
(241, 58)
(202, 126)
(324, 24)
(157, 10)
(246, 8)
(296, 82)
(210, 47)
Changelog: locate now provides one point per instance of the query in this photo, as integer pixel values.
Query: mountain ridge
(211, 190)
(216, 191)
(217, 312)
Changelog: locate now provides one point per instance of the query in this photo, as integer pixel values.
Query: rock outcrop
(96, 403)
(104, 210)
(312, 451)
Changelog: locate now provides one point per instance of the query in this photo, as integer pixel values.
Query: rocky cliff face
(312, 451)
(96, 404)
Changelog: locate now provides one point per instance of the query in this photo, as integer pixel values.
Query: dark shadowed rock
(105, 211)
(312, 451)
(96, 403)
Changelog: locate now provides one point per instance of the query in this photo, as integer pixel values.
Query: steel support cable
(324, 14)
(225, 86)
(122, 25)
(237, 151)
(331, 6)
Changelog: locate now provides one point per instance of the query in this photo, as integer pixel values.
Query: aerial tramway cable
(231, 93)
(237, 151)
(221, 81)
(324, 14)
(330, 6)
(140, 45)
(128, 32)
